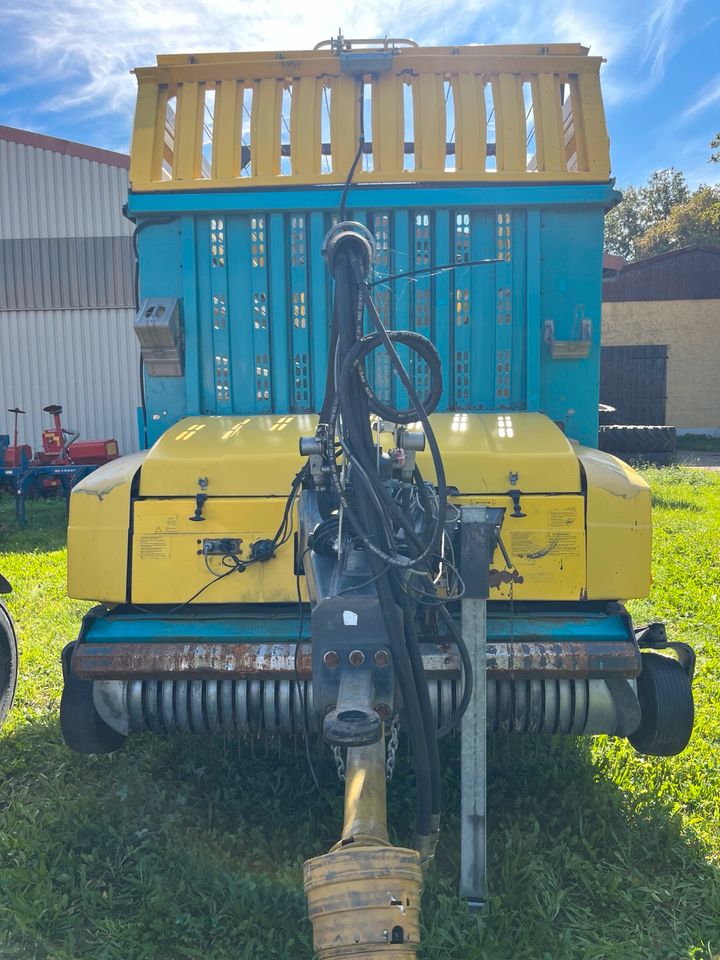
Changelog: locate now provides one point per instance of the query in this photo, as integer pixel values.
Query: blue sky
(66, 63)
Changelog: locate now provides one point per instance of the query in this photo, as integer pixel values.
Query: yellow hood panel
(259, 455)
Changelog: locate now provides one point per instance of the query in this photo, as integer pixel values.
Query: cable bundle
(401, 529)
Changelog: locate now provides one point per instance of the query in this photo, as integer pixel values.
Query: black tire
(620, 438)
(8, 663)
(82, 727)
(666, 706)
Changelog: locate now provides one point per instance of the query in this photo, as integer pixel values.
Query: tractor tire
(650, 440)
(666, 707)
(82, 727)
(8, 663)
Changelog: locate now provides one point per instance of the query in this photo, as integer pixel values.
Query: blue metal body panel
(399, 195)
(247, 268)
(537, 622)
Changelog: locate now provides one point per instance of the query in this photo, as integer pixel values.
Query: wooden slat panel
(429, 123)
(148, 133)
(305, 129)
(571, 144)
(344, 123)
(509, 123)
(548, 123)
(188, 131)
(526, 52)
(470, 122)
(432, 63)
(596, 139)
(576, 147)
(227, 129)
(265, 133)
(388, 125)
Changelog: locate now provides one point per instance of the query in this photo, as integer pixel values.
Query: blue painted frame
(487, 321)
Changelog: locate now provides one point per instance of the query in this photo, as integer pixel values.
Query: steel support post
(477, 546)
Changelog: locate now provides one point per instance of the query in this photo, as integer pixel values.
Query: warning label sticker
(533, 546)
(154, 546)
(562, 517)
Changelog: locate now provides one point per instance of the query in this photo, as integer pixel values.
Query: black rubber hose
(351, 402)
(416, 662)
(417, 343)
(412, 394)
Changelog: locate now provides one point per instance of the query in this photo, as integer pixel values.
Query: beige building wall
(691, 330)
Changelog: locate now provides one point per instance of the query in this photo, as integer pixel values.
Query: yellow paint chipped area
(116, 473)
(546, 546)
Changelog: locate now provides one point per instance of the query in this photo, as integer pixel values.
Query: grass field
(188, 849)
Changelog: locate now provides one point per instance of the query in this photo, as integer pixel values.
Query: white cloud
(663, 35)
(88, 47)
(81, 51)
(709, 95)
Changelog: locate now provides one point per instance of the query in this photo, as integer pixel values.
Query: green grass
(188, 848)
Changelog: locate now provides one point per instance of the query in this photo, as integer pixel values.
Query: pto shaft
(364, 896)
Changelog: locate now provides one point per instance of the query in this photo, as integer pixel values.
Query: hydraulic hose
(350, 415)
(372, 514)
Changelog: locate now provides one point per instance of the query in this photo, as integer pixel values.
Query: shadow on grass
(675, 503)
(187, 847)
(45, 529)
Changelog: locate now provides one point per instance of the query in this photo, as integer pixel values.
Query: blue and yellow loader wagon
(369, 290)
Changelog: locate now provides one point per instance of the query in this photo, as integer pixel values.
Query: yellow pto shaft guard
(364, 896)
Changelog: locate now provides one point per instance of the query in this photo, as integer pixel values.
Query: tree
(643, 208)
(715, 142)
(697, 220)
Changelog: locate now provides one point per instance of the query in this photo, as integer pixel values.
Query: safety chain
(339, 763)
(392, 746)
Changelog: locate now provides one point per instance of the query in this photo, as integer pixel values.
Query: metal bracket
(569, 349)
(654, 636)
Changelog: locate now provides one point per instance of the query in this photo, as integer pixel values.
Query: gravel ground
(699, 458)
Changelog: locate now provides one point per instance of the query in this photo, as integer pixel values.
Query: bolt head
(331, 659)
(357, 658)
(381, 657)
(383, 711)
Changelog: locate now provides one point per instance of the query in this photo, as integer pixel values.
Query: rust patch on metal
(191, 661)
(498, 577)
(568, 659)
(216, 661)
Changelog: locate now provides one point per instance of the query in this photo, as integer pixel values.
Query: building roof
(689, 273)
(68, 147)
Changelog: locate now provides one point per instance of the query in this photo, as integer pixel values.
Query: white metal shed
(66, 289)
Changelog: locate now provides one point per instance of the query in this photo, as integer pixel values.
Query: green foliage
(715, 142)
(190, 847)
(697, 220)
(698, 441)
(642, 208)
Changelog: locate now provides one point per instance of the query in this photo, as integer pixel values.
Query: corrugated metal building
(66, 288)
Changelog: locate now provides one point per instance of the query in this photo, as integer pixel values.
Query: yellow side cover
(584, 532)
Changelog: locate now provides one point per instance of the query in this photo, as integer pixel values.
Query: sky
(65, 68)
